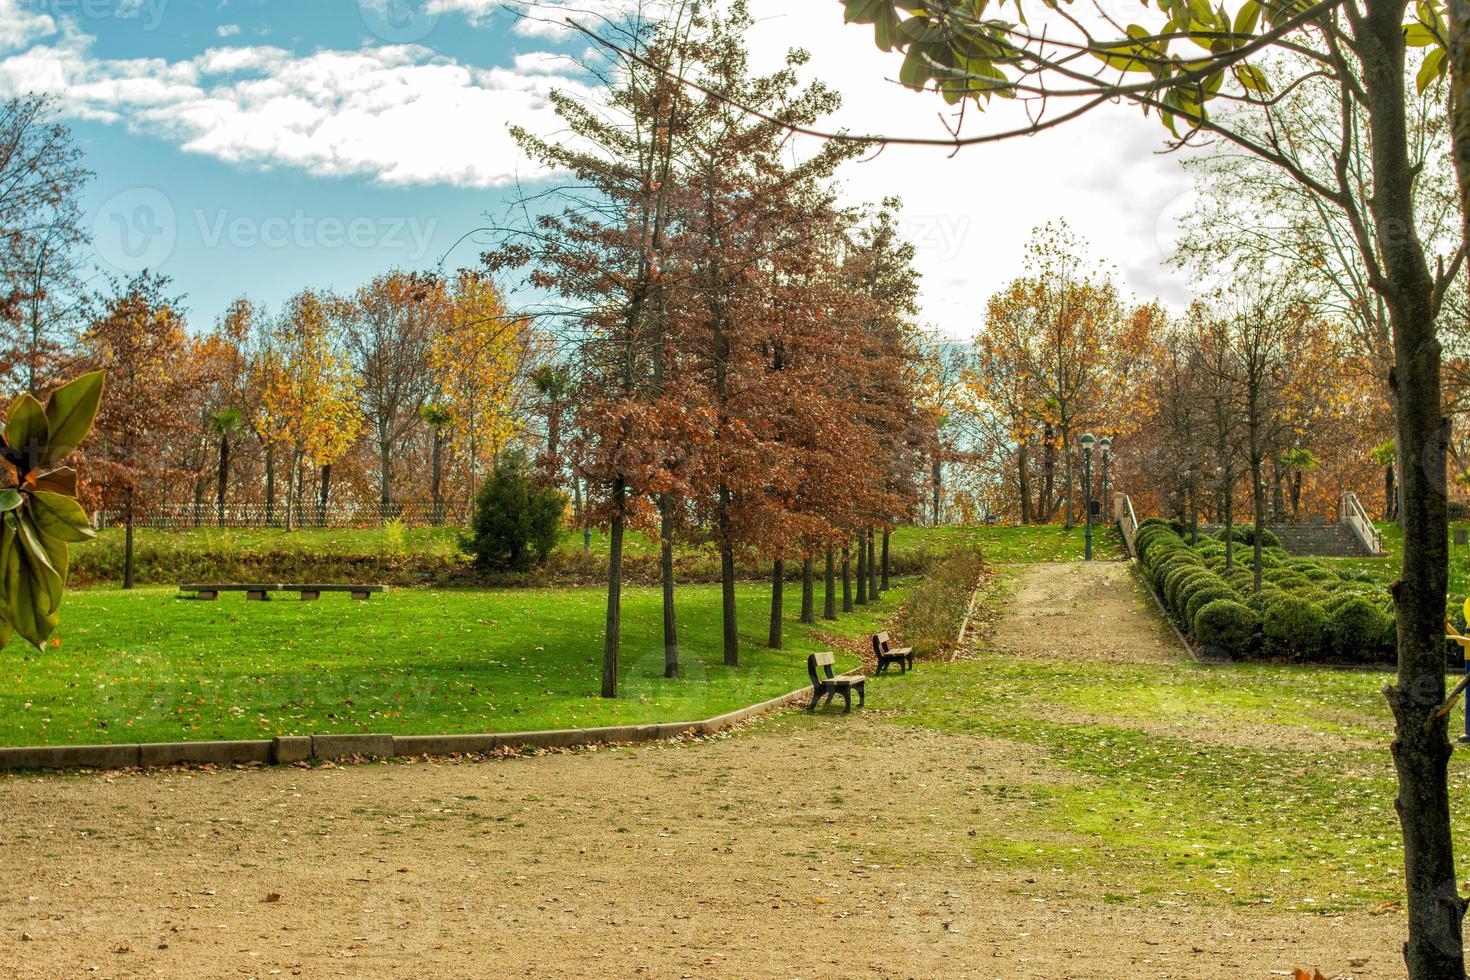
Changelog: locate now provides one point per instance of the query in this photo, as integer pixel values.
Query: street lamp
(1106, 445)
(1087, 441)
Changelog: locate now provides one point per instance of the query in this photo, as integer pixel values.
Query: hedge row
(1306, 610)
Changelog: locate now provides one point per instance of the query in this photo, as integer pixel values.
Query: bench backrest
(882, 643)
(824, 660)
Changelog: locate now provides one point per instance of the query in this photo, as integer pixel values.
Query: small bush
(1260, 600)
(1226, 625)
(1204, 595)
(1356, 630)
(1181, 584)
(1294, 628)
(518, 520)
(1246, 534)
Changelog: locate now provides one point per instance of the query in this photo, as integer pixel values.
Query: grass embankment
(1178, 783)
(147, 665)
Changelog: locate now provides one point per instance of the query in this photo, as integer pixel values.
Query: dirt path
(834, 847)
(1095, 611)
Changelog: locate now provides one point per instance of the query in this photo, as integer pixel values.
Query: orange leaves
(1299, 974)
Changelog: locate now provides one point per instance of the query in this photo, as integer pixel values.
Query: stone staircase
(1312, 540)
(1320, 540)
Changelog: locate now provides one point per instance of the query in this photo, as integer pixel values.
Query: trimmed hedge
(1306, 611)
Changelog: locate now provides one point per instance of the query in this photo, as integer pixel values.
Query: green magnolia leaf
(1252, 79)
(71, 411)
(38, 564)
(1432, 69)
(26, 431)
(10, 499)
(6, 631)
(1419, 36)
(1246, 19)
(60, 517)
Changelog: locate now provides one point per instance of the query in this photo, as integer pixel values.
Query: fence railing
(1355, 516)
(1126, 518)
(411, 513)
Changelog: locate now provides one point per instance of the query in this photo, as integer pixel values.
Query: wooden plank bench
(887, 653)
(210, 591)
(311, 593)
(259, 591)
(825, 683)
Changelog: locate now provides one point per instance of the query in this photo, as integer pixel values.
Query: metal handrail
(1355, 516)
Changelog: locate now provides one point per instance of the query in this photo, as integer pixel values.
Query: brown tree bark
(846, 580)
(862, 569)
(778, 598)
(808, 591)
(614, 591)
(829, 587)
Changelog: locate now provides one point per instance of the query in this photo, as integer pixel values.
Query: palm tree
(438, 418)
(224, 425)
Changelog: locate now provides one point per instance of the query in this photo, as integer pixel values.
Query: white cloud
(227, 30)
(19, 28)
(395, 114)
(537, 18)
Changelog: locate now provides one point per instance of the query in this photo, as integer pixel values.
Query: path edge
(287, 750)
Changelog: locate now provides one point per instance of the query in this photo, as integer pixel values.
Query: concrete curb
(332, 748)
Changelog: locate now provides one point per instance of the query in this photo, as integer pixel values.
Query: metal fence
(411, 513)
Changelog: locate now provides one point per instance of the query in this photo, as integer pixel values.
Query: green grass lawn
(1148, 806)
(1386, 569)
(149, 666)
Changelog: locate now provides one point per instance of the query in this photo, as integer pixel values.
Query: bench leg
(830, 692)
(846, 700)
(207, 596)
(363, 596)
(255, 595)
(862, 695)
(310, 596)
(816, 696)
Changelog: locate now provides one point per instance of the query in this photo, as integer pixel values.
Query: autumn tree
(138, 340)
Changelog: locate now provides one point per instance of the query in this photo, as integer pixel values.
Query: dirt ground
(783, 851)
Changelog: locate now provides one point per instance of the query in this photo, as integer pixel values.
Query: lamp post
(1106, 445)
(1087, 441)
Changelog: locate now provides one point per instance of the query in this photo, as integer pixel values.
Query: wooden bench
(259, 591)
(825, 683)
(887, 653)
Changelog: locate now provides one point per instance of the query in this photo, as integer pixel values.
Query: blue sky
(260, 146)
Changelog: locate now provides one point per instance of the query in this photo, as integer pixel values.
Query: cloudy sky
(260, 146)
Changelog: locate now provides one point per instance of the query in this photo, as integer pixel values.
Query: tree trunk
(198, 501)
(938, 478)
(270, 486)
(1023, 478)
(808, 592)
(846, 580)
(1070, 518)
(1193, 507)
(223, 480)
(1048, 475)
(887, 557)
(1278, 498)
(829, 586)
(614, 591)
(326, 495)
(1228, 502)
(1258, 500)
(872, 566)
(862, 569)
(730, 633)
(778, 598)
(1390, 495)
(385, 474)
(666, 577)
(128, 546)
(436, 486)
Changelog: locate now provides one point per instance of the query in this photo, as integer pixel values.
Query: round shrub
(1314, 571)
(518, 517)
(1169, 578)
(1226, 625)
(1178, 583)
(1260, 600)
(1336, 601)
(1246, 534)
(1356, 630)
(1209, 548)
(1155, 536)
(1205, 595)
(1294, 628)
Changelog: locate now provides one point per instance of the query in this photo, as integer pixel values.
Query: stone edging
(331, 748)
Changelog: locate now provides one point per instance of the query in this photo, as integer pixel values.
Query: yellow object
(1451, 633)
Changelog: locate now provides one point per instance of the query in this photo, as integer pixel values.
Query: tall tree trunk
(128, 546)
(614, 591)
(829, 586)
(730, 634)
(1258, 502)
(666, 578)
(222, 480)
(862, 569)
(887, 557)
(1023, 478)
(1390, 495)
(846, 579)
(1069, 519)
(1048, 475)
(872, 566)
(270, 486)
(778, 598)
(1228, 502)
(808, 591)
(385, 473)
(937, 474)
(436, 485)
(198, 500)
(1278, 498)
(321, 508)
